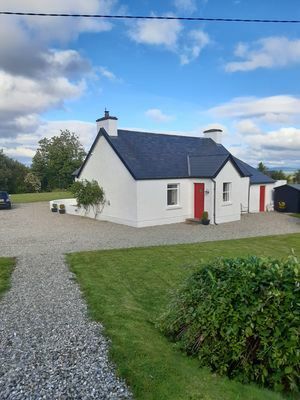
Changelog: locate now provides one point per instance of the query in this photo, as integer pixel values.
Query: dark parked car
(5, 201)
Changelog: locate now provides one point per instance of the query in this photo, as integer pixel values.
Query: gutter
(214, 201)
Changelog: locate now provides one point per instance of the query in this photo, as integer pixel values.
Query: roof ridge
(164, 134)
(210, 155)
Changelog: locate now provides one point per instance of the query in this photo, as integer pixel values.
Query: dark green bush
(241, 317)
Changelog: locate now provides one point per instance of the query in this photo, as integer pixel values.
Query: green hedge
(241, 317)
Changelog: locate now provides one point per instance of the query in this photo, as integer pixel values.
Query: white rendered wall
(152, 201)
(280, 182)
(244, 194)
(106, 168)
(230, 211)
(255, 197)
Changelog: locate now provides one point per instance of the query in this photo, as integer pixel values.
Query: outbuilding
(287, 198)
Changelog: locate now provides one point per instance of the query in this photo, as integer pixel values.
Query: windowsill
(228, 203)
(175, 207)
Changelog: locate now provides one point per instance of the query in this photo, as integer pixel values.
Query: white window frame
(226, 196)
(171, 187)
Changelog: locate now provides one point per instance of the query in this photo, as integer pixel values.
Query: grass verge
(35, 197)
(295, 215)
(127, 289)
(6, 268)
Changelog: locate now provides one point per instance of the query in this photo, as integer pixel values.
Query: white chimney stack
(215, 134)
(110, 124)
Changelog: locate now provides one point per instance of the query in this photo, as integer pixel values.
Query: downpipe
(215, 183)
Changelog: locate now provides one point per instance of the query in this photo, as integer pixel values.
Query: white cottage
(154, 179)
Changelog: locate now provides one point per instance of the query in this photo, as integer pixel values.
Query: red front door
(198, 200)
(262, 195)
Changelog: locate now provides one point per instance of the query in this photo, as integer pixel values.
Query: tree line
(52, 166)
(279, 174)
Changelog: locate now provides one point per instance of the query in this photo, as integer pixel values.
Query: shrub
(32, 182)
(89, 195)
(204, 216)
(241, 317)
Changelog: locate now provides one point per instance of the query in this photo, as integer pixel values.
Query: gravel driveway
(49, 349)
(32, 229)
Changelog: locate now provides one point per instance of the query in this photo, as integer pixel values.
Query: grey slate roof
(160, 156)
(256, 176)
(206, 166)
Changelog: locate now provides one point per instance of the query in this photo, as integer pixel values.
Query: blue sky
(158, 76)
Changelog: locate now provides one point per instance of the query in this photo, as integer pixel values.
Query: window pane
(172, 194)
(226, 191)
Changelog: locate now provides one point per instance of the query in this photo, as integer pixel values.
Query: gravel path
(49, 349)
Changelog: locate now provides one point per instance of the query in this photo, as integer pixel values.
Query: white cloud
(34, 76)
(27, 96)
(107, 73)
(270, 52)
(158, 116)
(189, 6)
(19, 151)
(279, 147)
(156, 32)
(247, 127)
(61, 29)
(274, 109)
(85, 130)
(191, 51)
(263, 129)
(283, 139)
(24, 145)
(23, 98)
(171, 36)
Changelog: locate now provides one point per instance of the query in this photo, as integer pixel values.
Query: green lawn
(6, 267)
(34, 197)
(296, 215)
(127, 289)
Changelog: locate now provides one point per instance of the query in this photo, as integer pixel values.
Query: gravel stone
(49, 348)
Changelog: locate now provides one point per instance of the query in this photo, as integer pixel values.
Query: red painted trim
(198, 200)
(262, 198)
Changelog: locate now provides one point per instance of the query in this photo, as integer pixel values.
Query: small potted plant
(62, 209)
(204, 219)
(54, 207)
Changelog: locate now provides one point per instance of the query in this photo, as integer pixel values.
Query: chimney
(215, 134)
(109, 123)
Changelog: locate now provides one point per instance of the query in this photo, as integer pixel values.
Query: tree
(278, 175)
(32, 182)
(56, 159)
(262, 168)
(12, 174)
(297, 176)
(89, 195)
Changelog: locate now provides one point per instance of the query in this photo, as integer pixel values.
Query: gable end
(102, 132)
(235, 165)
